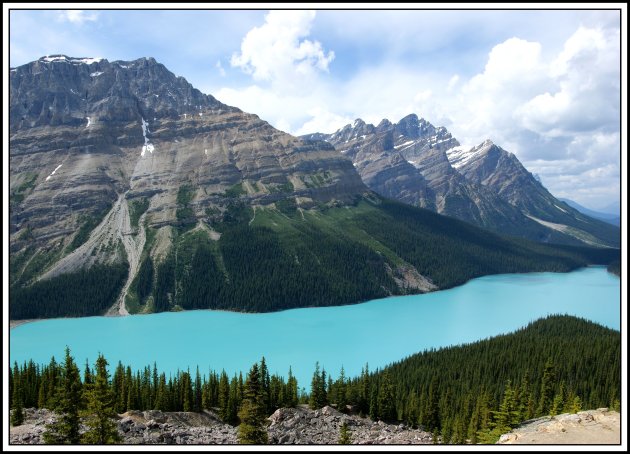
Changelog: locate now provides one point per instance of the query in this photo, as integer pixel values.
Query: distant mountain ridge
(423, 165)
(610, 218)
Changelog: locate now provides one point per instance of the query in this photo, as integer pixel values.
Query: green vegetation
(100, 408)
(79, 294)
(66, 429)
(286, 187)
(136, 209)
(252, 430)
(478, 390)
(235, 191)
(463, 394)
(280, 258)
(18, 194)
(184, 214)
(344, 434)
(88, 223)
(30, 263)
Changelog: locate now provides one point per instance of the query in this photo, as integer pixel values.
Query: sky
(542, 84)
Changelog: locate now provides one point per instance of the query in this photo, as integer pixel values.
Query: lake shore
(14, 323)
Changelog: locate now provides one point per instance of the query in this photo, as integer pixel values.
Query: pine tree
(316, 397)
(161, 397)
(252, 429)
(576, 405)
(373, 410)
(345, 438)
(17, 418)
(101, 427)
(233, 402)
(364, 392)
(386, 399)
(224, 396)
(66, 429)
(431, 413)
(265, 385)
(197, 400)
(291, 394)
(558, 401)
(546, 389)
(340, 394)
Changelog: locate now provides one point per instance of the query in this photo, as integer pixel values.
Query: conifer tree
(197, 400)
(386, 399)
(252, 429)
(265, 385)
(341, 390)
(291, 394)
(546, 389)
(101, 427)
(558, 401)
(431, 419)
(161, 397)
(576, 405)
(373, 411)
(17, 417)
(233, 402)
(224, 396)
(66, 429)
(345, 438)
(318, 389)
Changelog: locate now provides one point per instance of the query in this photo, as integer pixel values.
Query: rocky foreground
(586, 427)
(286, 426)
(302, 425)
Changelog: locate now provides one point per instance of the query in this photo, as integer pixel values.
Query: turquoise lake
(377, 332)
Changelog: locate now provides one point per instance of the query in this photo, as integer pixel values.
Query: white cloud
(587, 74)
(556, 108)
(276, 51)
(219, 66)
(77, 16)
(322, 120)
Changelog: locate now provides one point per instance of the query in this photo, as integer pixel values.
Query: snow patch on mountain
(148, 146)
(53, 172)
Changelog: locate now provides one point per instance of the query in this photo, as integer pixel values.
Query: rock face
(89, 136)
(491, 166)
(304, 426)
(586, 427)
(419, 164)
(286, 426)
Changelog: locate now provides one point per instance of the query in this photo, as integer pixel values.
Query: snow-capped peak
(63, 58)
(460, 155)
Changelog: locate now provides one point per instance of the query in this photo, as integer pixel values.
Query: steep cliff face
(419, 164)
(88, 135)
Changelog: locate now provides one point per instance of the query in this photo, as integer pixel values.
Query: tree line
(465, 394)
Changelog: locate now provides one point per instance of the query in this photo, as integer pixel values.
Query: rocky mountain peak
(58, 90)
(384, 125)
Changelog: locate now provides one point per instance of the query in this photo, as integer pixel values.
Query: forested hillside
(281, 258)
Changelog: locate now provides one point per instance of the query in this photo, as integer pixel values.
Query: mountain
(491, 166)
(416, 163)
(602, 216)
(611, 208)
(130, 190)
